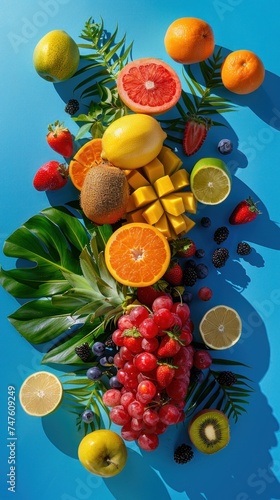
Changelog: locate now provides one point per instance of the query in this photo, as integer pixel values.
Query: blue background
(46, 461)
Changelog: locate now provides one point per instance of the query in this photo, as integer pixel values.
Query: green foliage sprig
(106, 58)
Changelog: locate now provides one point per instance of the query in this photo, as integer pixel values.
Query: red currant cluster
(153, 370)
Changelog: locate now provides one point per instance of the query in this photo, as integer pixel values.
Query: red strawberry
(174, 274)
(147, 294)
(183, 247)
(169, 346)
(195, 134)
(245, 211)
(132, 340)
(60, 139)
(165, 374)
(51, 176)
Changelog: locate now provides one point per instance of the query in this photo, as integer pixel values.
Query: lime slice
(210, 181)
(220, 327)
(40, 394)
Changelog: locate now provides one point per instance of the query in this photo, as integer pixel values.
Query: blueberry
(187, 297)
(94, 373)
(106, 361)
(87, 416)
(225, 146)
(205, 222)
(114, 383)
(98, 348)
(201, 271)
(200, 253)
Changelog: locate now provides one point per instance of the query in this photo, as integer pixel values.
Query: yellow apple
(103, 453)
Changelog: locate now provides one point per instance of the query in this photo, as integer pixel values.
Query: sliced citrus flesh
(220, 327)
(137, 254)
(149, 85)
(40, 394)
(210, 181)
(87, 157)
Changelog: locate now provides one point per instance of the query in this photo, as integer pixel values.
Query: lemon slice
(40, 394)
(210, 181)
(220, 327)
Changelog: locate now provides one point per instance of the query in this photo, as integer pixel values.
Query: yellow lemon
(40, 394)
(56, 56)
(132, 141)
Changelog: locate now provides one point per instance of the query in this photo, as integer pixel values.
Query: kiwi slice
(209, 431)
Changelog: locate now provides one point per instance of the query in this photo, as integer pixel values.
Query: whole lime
(56, 56)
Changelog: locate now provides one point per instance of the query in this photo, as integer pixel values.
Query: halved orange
(137, 254)
(87, 157)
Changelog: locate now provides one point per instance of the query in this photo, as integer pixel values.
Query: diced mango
(163, 226)
(177, 222)
(189, 223)
(180, 179)
(163, 186)
(173, 204)
(130, 204)
(153, 212)
(170, 160)
(143, 195)
(189, 201)
(153, 170)
(135, 216)
(136, 180)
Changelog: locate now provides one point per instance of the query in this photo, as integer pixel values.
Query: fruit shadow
(264, 102)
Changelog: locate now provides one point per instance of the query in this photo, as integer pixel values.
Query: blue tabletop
(46, 460)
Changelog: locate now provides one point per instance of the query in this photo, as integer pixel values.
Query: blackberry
(201, 271)
(190, 276)
(205, 222)
(83, 351)
(199, 253)
(243, 248)
(220, 256)
(72, 107)
(227, 378)
(183, 454)
(221, 234)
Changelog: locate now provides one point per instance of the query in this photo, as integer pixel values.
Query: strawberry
(195, 134)
(60, 139)
(183, 247)
(169, 346)
(164, 374)
(51, 176)
(147, 294)
(245, 211)
(174, 274)
(132, 340)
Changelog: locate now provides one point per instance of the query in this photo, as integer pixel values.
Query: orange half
(137, 254)
(87, 157)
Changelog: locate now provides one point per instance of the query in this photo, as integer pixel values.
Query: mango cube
(136, 180)
(173, 204)
(180, 179)
(163, 186)
(189, 201)
(170, 160)
(143, 195)
(163, 226)
(177, 222)
(135, 216)
(153, 170)
(153, 212)
(188, 222)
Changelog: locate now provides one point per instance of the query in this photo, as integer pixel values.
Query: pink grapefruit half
(149, 85)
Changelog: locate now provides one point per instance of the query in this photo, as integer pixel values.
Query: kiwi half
(209, 431)
(104, 194)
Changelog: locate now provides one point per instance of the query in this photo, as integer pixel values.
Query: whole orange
(242, 72)
(189, 40)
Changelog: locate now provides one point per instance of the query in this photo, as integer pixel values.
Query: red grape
(119, 415)
(111, 397)
(145, 361)
(148, 442)
(163, 301)
(148, 328)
